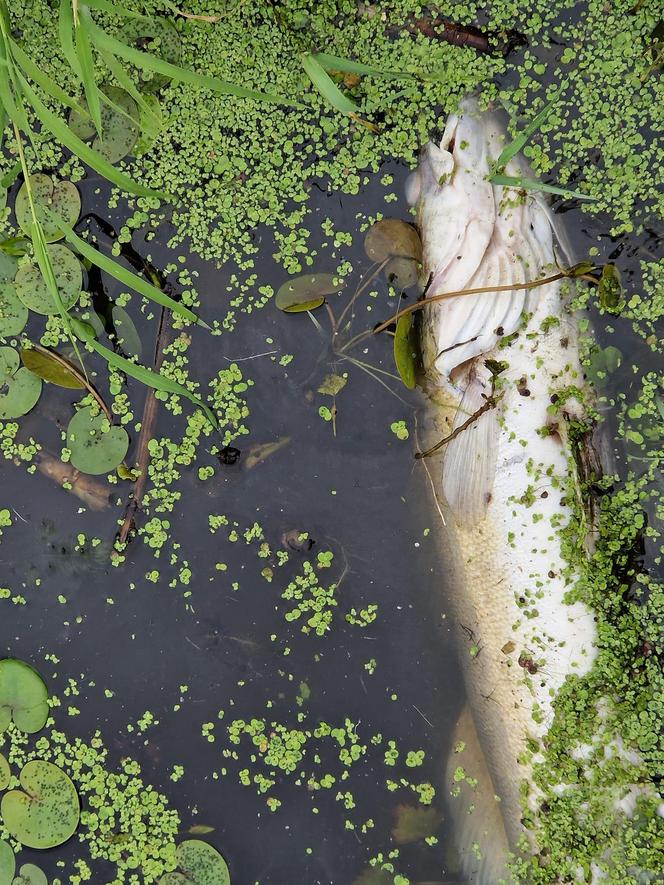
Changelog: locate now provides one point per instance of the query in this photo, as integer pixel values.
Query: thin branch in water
(490, 403)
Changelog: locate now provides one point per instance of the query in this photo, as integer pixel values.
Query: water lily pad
(29, 874)
(151, 125)
(62, 198)
(125, 332)
(52, 367)
(402, 273)
(120, 128)
(306, 292)
(405, 350)
(390, 238)
(159, 37)
(7, 863)
(19, 388)
(611, 293)
(31, 287)
(45, 813)
(23, 696)
(5, 774)
(96, 446)
(13, 313)
(8, 267)
(198, 864)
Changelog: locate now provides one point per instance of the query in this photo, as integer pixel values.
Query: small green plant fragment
(532, 184)
(405, 350)
(200, 830)
(332, 385)
(306, 292)
(23, 697)
(13, 313)
(52, 367)
(5, 772)
(517, 144)
(326, 85)
(412, 824)
(96, 445)
(29, 874)
(392, 238)
(603, 362)
(119, 122)
(199, 864)
(33, 290)
(611, 293)
(151, 125)
(19, 388)
(45, 813)
(7, 863)
(62, 198)
(126, 333)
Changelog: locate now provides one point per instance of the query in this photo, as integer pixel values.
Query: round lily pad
(96, 445)
(29, 874)
(119, 128)
(31, 287)
(392, 237)
(7, 863)
(8, 266)
(198, 864)
(306, 292)
(19, 388)
(159, 37)
(23, 696)
(62, 198)
(46, 812)
(13, 313)
(5, 774)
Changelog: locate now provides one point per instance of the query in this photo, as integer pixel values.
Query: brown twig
(457, 35)
(489, 403)
(147, 428)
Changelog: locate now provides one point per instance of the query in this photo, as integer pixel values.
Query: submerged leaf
(611, 293)
(45, 813)
(23, 697)
(306, 292)
(52, 367)
(392, 237)
(405, 350)
(62, 197)
(332, 384)
(19, 388)
(34, 291)
(402, 273)
(198, 864)
(126, 333)
(413, 824)
(96, 445)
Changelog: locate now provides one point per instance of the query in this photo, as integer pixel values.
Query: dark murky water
(359, 495)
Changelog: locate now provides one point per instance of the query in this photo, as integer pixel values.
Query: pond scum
(232, 164)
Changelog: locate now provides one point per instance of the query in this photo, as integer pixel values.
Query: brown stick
(457, 35)
(489, 404)
(147, 429)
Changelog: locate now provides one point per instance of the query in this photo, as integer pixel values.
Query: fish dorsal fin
(469, 464)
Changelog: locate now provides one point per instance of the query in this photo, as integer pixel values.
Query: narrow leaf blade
(326, 86)
(531, 184)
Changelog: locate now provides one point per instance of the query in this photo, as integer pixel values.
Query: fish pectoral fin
(477, 822)
(469, 464)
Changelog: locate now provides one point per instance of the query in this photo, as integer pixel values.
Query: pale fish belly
(519, 638)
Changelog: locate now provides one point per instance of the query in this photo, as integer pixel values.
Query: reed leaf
(141, 373)
(346, 65)
(64, 134)
(65, 33)
(35, 73)
(531, 184)
(84, 53)
(122, 275)
(116, 9)
(125, 81)
(326, 85)
(146, 61)
(517, 144)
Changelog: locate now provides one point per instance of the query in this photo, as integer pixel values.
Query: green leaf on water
(332, 385)
(405, 350)
(392, 238)
(120, 127)
(198, 863)
(34, 291)
(86, 64)
(19, 390)
(96, 445)
(152, 124)
(53, 367)
(346, 65)
(23, 697)
(532, 184)
(62, 198)
(8, 266)
(126, 333)
(306, 292)
(610, 289)
(326, 85)
(29, 874)
(517, 144)
(5, 775)
(46, 812)
(7, 863)
(13, 313)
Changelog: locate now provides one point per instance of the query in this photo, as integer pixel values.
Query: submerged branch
(490, 403)
(93, 493)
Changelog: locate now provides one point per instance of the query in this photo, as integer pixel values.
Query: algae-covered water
(268, 665)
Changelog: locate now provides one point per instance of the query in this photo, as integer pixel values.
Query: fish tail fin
(469, 463)
(479, 831)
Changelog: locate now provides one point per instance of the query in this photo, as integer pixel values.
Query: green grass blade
(531, 184)
(125, 81)
(65, 33)
(10, 177)
(513, 148)
(86, 62)
(141, 373)
(64, 134)
(11, 103)
(120, 273)
(42, 80)
(336, 63)
(326, 85)
(116, 9)
(146, 61)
